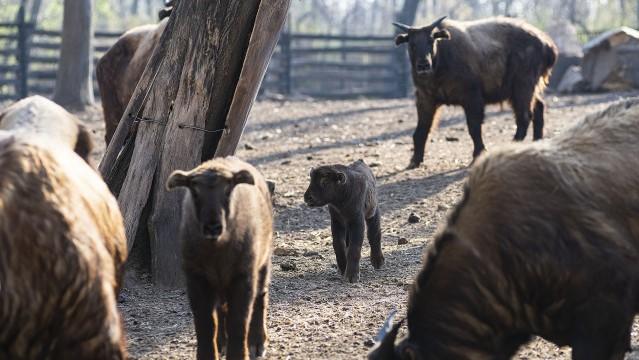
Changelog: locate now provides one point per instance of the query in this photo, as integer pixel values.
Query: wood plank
(268, 25)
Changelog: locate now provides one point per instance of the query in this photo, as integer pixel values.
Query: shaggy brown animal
(475, 63)
(545, 242)
(120, 68)
(41, 116)
(351, 196)
(226, 232)
(63, 251)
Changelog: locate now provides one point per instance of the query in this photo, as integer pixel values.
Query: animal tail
(84, 144)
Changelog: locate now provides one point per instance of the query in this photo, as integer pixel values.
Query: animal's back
(501, 47)
(38, 115)
(368, 178)
(63, 247)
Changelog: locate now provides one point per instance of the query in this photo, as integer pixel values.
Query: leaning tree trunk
(197, 90)
(74, 85)
(409, 12)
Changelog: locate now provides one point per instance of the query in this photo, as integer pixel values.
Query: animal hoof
(352, 278)
(377, 261)
(413, 165)
(257, 351)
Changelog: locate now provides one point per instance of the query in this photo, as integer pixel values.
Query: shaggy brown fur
(120, 68)
(545, 242)
(472, 64)
(226, 232)
(41, 116)
(351, 196)
(63, 251)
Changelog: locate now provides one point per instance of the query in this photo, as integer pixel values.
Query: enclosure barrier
(321, 66)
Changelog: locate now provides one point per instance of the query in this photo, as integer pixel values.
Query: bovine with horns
(475, 63)
(544, 242)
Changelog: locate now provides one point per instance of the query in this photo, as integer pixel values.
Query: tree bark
(74, 85)
(409, 12)
(193, 78)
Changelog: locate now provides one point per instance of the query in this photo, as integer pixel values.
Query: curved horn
(386, 348)
(401, 26)
(438, 22)
(387, 327)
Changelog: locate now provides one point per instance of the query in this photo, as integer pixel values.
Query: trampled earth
(313, 313)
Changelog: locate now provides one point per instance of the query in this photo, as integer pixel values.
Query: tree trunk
(211, 57)
(73, 87)
(409, 12)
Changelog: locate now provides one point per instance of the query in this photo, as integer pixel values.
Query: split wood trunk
(197, 90)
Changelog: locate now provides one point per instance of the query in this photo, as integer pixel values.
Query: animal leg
(522, 102)
(339, 240)
(221, 312)
(241, 299)
(474, 119)
(538, 119)
(258, 333)
(356, 237)
(374, 233)
(201, 300)
(426, 114)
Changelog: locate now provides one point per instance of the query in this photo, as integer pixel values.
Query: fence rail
(327, 66)
(323, 66)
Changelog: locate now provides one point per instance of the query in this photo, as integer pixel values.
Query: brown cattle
(226, 234)
(351, 195)
(62, 255)
(475, 63)
(544, 242)
(120, 68)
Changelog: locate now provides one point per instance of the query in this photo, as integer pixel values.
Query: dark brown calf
(545, 242)
(349, 192)
(475, 63)
(226, 232)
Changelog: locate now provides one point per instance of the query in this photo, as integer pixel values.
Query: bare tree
(74, 88)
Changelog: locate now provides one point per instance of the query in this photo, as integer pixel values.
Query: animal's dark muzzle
(212, 231)
(423, 68)
(310, 201)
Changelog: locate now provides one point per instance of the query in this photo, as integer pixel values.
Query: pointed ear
(400, 39)
(441, 35)
(243, 177)
(341, 177)
(178, 179)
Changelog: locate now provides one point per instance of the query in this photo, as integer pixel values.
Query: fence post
(402, 69)
(285, 42)
(22, 85)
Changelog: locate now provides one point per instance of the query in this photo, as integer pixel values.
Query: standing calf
(226, 232)
(349, 192)
(475, 63)
(62, 253)
(37, 115)
(545, 241)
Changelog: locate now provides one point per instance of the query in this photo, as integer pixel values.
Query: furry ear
(341, 177)
(441, 35)
(178, 179)
(400, 39)
(243, 177)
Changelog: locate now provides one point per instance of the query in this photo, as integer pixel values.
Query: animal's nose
(423, 66)
(212, 230)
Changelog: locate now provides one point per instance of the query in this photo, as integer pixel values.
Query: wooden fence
(320, 66)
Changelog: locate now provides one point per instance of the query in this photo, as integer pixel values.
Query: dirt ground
(313, 313)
